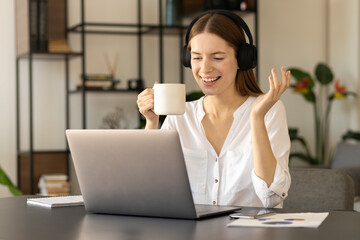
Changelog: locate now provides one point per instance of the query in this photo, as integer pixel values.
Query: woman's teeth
(210, 79)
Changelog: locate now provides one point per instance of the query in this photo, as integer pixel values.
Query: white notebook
(61, 201)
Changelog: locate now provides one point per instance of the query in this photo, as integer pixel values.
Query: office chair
(346, 155)
(316, 189)
(347, 159)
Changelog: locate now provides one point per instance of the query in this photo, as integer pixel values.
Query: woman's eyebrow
(214, 53)
(219, 52)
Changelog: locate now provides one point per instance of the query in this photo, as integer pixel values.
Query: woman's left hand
(277, 88)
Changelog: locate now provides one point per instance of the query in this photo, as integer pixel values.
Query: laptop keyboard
(203, 208)
(211, 209)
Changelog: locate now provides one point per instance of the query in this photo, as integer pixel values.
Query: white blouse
(229, 179)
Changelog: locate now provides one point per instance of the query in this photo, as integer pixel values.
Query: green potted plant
(5, 180)
(305, 85)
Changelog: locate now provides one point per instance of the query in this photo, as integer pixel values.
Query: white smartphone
(252, 213)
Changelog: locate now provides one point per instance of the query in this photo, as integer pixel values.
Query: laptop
(135, 172)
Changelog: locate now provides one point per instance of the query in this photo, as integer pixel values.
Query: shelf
(105, 91)
(125, 29)
(133, 29)
(49, 55)
(27, 153)
(32, 165)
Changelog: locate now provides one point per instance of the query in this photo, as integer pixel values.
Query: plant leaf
(293, 133)
(15, 191)
(301, 140)
(5, 180)
(347, 93)
(299, 75)
(351, 135)
(324, 74)
(303, 157)
(310, 96)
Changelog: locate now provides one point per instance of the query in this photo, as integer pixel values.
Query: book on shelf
(46, 31)
(58, 46)
(98, 82)
(56, 19)
(34, 26)
(98, 76)
(54, 185)
(43, 26)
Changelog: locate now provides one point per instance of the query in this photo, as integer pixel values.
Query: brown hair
(228, 30)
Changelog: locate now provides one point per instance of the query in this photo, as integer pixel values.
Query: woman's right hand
(145, 102)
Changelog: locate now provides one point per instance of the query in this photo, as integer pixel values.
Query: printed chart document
(283, 220)
(60, 201)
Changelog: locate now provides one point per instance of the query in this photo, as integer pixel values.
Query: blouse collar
(238, 112)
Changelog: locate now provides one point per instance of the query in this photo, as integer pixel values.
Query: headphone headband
(234, 17)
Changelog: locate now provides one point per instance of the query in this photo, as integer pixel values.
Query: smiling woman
(237, 136)
(230, 27)
(212, 59)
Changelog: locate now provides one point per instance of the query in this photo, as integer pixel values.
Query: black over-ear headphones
(247, 53)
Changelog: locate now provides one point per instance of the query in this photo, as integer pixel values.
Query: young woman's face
(213, 64)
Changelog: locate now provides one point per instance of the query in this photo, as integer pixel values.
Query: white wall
(291, 33)
(7, 92)
(344, 58)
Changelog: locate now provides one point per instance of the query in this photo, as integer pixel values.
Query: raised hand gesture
(277, 88)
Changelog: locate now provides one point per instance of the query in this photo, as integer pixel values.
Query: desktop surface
(21, 221)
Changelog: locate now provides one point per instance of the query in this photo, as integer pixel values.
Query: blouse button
(216, 181)
(214, 202)
(283, 194)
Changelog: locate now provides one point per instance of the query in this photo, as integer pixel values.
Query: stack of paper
(284, 220)
(62, 201)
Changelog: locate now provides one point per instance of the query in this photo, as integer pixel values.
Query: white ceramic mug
(169, 99)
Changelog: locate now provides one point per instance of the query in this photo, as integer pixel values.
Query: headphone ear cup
(247, 56)
(186, 57)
